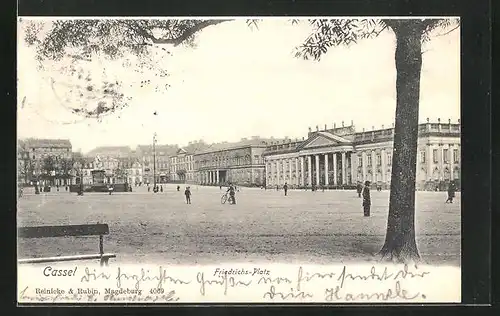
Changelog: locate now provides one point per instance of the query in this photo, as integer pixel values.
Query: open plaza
(303, 227)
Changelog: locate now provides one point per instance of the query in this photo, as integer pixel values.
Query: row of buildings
(332, 157)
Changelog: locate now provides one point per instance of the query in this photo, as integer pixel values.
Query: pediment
(325, 139)
(321, 141)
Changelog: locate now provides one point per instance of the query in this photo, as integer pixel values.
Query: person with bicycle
(232, 194)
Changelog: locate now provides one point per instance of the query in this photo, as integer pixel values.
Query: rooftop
(244, 142)
(44, 143)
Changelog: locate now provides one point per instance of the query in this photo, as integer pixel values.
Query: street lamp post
(154, 162)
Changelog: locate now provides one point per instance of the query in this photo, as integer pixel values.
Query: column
(334, 162)
(296, 171)
(326, 169)
(374, 166)
(309, 169)
(317, 169)
(364, 160)
(441, 161)
(277, 172)
(343, 168)
(384, 166)
(429, 162)
(301, 170)
(217, 176)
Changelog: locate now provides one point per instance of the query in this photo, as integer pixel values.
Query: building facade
(239, 163)
(182, 167)
(341, 157)
(44, 161)
(155, 161)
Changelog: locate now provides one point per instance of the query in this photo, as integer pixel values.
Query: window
(389, 159)
(435, 155)
(446, 155)
(455, 156)
(379, 160)
(369, 162)
(422, 157)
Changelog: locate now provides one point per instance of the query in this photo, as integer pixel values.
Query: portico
(324, 159)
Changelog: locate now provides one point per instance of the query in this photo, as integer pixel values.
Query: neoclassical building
(341, 157)
(241, 163)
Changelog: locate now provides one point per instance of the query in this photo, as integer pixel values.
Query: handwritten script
(330, 284)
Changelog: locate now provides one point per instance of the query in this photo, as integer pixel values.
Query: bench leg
(104, 261)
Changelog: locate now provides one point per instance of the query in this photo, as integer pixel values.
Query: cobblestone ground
(304, 227)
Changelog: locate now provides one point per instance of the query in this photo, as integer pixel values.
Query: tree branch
(446, 33)
(187, 33)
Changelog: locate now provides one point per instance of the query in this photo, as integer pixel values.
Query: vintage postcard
(239, 160)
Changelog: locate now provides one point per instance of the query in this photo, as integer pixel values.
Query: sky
(240, 82)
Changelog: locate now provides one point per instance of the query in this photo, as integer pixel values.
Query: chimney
(439, 120)
(373, 128)
(334, 125)
(310, 129)
(392, 125)
(449, 121)
(317, 128)
(439, 124)
(325, 127)
(342, 123)
(427, 120)
(302, 137)
(352, 123)
(363, 129)
(382, 126)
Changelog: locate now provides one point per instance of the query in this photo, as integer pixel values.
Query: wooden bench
(63, 231)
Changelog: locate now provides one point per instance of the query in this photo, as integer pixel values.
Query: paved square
(313, 227)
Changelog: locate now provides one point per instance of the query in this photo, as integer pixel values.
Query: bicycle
(224, 198)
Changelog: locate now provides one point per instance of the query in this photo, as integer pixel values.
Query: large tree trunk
(400, 244)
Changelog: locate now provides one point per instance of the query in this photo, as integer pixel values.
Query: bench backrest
(61, 231)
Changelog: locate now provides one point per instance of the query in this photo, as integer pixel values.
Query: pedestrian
(110, 189)
(178, 188)
(285, 188)
(322, 188)
(187, 193)
(359, 189)
(149, 188)
(366, 199)
(66, 187)
(232, 194)
(161, 188)
(451, 192)
(277, 187)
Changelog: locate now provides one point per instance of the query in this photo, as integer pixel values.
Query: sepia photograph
(242, 159)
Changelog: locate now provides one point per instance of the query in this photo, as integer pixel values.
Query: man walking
(366, 199)
(187, 193)
(451, 192)
(285, 188)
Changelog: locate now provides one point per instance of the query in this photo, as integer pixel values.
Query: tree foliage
(79, 47)
(329, 33)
